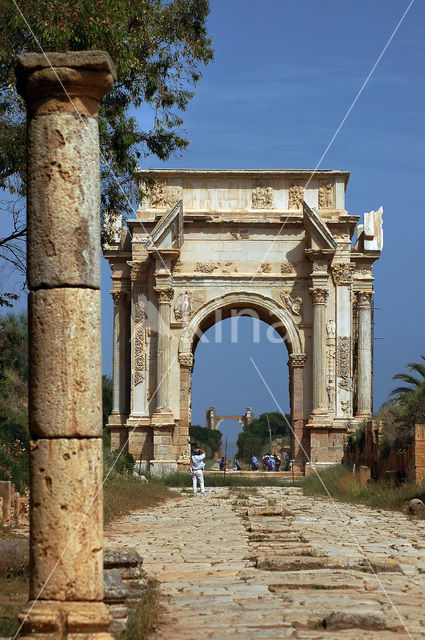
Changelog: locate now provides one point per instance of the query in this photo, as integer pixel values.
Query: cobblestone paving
(272, 563)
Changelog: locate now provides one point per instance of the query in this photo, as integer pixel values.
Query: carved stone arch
(268, 309)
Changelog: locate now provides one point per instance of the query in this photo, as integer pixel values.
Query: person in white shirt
(196, 466)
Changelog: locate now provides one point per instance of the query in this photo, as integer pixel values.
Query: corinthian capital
(297, 359)
(137, 270)
(343, 273)
(186, 359)
(119, 296)
(165, 294)
(364, 299)
(319, 295)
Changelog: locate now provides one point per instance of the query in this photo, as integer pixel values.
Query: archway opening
(240, 366)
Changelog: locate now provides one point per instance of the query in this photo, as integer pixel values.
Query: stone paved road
(273, 563)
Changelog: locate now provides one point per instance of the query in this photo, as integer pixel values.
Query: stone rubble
(271, 563)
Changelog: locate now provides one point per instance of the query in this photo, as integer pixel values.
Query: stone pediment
(168, 232)
(317, 233)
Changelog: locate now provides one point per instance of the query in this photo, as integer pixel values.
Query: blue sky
(283, 77)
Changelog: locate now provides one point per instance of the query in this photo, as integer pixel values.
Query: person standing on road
(196, 466)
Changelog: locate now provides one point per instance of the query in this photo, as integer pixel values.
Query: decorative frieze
(140, 342)
(292, 304)
(262, 198)
(161, 197)
(287, 267)
(241, 235)
(320, 266)
(343, 362)
(266, 267)
(183, 307)
(326, 195)
(330, 358)
(319, 295)
(295, 197)
(206, 267)
(343, 273)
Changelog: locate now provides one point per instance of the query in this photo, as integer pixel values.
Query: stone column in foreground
(65, 390)
(364, 354)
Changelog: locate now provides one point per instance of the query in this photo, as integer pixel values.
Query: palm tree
(417, 385)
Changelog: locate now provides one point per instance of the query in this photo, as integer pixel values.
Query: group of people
(271, 462)
(223, 464)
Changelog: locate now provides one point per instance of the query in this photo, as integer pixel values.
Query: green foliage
(343, 485)
(121, 462)
(14, 434)
(158, 48)
(404, 409)
(208, 440)
(125, 493)
(145, 614)
(255, 439)
(106, 409)
(357, 439)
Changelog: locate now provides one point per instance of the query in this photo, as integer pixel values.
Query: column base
(117, 419)
(320, 419)
(45, 619)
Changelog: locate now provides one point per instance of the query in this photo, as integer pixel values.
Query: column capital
(297, 360)
(119, 296)
(319, 295)
(364, 299)
(165, 294)
(138, 269)
(64, 82)
(343, 273)
(186, 360)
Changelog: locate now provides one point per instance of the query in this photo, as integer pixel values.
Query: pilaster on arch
(265, 306)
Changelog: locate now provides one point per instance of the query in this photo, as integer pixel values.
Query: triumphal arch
(207, 244)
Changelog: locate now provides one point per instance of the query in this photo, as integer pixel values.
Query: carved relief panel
(262, 198)
(140, 343)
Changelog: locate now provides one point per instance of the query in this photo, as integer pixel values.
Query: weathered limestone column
(319, 297)
(120, 370)
(165, 297)
(186, 361)
(121, 337)
(164, 460)
(364, 354)
(298, 439)
(65, 389)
